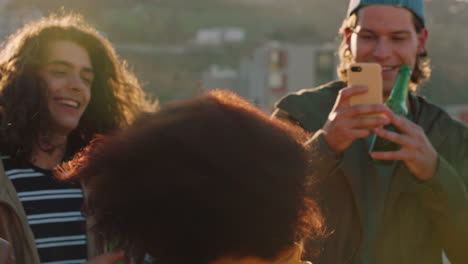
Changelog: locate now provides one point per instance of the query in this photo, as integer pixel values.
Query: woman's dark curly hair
(116, 95)
(199, 180)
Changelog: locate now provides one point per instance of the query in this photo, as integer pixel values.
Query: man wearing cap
(413, 209)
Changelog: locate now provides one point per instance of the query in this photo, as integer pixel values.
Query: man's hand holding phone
(358, 108)
(346, 122)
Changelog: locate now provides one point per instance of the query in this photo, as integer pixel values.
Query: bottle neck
(400, 88)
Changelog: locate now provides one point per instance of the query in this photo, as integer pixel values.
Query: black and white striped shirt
(53, 212)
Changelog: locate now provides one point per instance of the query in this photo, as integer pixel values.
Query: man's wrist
(320, 149)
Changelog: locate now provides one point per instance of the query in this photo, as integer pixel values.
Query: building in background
(217, 77)
(219, 36)
(274, 70)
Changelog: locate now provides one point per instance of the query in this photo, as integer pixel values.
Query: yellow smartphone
(369, 75)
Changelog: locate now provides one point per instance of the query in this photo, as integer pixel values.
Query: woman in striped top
(61, 83)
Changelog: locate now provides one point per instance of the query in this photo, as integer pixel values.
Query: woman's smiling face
(68, 74)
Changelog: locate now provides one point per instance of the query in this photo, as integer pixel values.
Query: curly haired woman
(61, 83)
(212, 180)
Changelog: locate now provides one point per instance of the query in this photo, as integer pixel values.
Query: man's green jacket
(420, 219)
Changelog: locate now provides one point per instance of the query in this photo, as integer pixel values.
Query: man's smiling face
(386, 35)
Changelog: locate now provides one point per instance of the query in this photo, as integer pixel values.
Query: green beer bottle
(397, 103)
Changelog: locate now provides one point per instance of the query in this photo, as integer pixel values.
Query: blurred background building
(273, 70)
(261, 49)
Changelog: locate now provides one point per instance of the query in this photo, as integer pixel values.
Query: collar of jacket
(14, 217)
